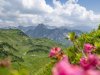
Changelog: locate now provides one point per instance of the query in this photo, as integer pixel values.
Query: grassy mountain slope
(32, 53)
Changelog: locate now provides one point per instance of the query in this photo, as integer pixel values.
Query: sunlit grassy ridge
(28, 53)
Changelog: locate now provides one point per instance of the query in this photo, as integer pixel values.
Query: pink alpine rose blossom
(92, 72)
(98, 63)
(93, 59)
(63, 67)
(88, 48)
(84, 63)
(54, 51)
(90, 62)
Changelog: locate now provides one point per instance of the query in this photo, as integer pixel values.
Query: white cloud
(72, 1)
(37, 5)
(28, 12)
(28, 3)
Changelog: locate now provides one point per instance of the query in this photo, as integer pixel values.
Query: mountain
(25, 29)
(25, 52)
(57, 34)
(54, 33)
(83, 28)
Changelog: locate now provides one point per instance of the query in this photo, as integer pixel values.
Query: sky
(50, 12)
(88, 4)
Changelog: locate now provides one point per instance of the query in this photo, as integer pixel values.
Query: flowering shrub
(88, 64)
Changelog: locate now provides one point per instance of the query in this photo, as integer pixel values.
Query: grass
(33, 52)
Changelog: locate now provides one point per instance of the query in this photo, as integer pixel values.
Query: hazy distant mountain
(82, 28)
(41, 30)
(51, 32)
(25, 29)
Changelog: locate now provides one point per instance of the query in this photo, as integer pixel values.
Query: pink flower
(92, 72)
(93, 59)
(84, 63)
(98, 62)
(54, 51)
(89, 62)
(60, 68)
(63, 67)
(88, 48)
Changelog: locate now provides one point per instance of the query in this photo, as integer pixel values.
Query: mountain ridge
(56, 34)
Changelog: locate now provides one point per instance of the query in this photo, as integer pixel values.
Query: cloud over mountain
(32, 12)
